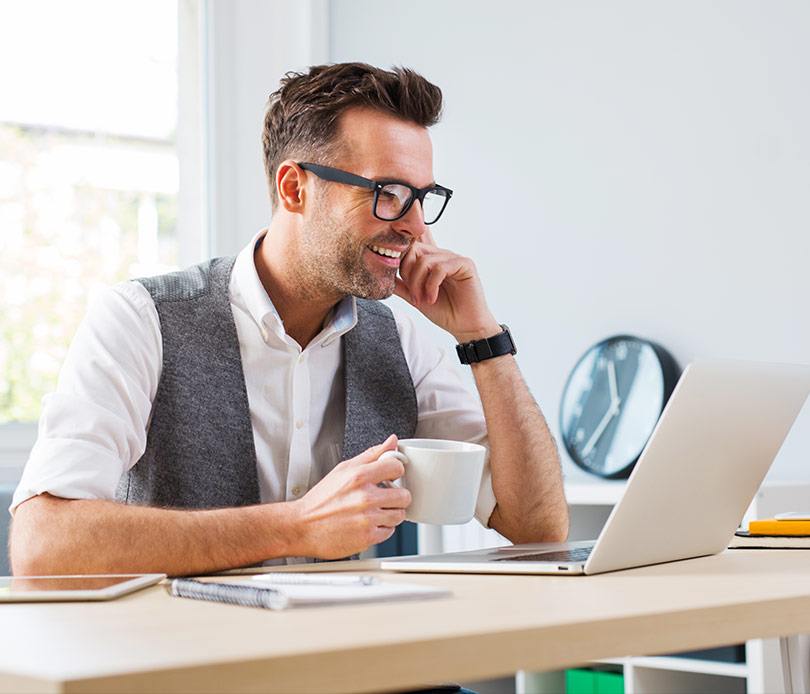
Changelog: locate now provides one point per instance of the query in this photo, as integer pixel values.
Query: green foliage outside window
(64, 235)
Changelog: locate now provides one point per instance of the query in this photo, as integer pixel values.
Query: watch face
(611, 404)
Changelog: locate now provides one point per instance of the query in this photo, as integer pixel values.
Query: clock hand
(612, 410)
(614, 391)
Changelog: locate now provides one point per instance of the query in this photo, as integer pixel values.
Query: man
(235, 413)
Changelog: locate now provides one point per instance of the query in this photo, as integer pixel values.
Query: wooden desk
(494, 625)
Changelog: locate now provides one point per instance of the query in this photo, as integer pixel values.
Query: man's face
(340, 228)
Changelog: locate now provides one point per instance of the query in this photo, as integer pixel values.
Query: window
(88, 172)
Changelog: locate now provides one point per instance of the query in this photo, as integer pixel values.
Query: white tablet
(69, 588)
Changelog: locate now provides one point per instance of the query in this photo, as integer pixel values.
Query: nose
(413, 222)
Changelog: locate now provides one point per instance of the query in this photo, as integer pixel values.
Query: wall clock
(612, 401)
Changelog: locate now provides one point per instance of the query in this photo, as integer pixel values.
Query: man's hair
(303, 115)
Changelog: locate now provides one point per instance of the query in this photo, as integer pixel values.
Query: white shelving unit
(761, 673)
(590, 505)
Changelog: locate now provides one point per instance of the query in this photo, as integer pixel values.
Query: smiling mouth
(385, 252)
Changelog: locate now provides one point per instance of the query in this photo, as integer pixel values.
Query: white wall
(251, 44)
(620, 167)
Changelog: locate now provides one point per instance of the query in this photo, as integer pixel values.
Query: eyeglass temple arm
(336, 175)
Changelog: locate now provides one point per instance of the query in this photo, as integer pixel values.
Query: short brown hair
(302, 115)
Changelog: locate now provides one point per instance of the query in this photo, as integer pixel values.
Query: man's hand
(445, 287)
(346, 512)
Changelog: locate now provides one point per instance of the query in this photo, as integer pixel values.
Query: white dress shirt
(93, 427)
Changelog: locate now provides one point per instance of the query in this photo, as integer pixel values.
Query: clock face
(611, 404)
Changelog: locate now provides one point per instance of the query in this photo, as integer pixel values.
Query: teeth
(386, 251)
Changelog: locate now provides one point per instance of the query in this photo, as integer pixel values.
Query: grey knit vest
(199, 447)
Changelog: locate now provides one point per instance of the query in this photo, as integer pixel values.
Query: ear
(290, 186)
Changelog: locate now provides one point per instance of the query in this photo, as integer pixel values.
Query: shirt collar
(343, 319)
(247, 289)
(248, 292)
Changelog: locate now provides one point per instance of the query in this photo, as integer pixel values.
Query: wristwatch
(489, 347)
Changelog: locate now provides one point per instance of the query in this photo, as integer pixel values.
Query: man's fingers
(434, 282)
(420, 275)
(389, 518)
(408, 260)
(372, 454)
(402, 291)
(393, 498)
(451, 266)
(381, 471)
(383, 533)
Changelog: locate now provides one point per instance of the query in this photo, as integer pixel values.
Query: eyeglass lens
(393, 198)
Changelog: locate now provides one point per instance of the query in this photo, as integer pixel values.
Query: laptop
(712, 447)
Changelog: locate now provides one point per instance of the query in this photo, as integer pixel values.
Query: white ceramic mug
(443, 478)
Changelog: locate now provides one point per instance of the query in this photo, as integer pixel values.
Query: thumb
(401, 290)
(370, 455)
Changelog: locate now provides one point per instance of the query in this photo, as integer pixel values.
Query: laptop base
(514, 559)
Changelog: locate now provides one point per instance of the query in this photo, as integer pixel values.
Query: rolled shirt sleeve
(448, 407)
(93, 427)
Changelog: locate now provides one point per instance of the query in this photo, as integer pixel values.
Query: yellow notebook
(778, 526)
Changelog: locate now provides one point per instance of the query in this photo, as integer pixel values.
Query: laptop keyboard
(577, 554)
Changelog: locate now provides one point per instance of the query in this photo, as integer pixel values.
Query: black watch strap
(489, 347)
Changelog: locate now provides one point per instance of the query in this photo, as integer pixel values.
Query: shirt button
(300, 357)
(296, 490)
(299, 424)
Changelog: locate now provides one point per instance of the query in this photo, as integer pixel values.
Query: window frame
(193, 229)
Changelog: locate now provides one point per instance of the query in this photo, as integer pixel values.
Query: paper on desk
(314, 594)
(792, 515)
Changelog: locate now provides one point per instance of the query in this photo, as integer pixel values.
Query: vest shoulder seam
(201, 272)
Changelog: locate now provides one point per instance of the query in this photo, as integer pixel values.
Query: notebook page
(315, 594)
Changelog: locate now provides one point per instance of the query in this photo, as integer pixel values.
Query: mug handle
(401, 457)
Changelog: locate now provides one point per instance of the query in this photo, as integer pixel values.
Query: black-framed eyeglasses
(392, 199)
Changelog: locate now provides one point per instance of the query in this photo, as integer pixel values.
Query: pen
(313, 579)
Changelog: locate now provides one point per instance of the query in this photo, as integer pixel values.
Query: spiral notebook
(284, 590)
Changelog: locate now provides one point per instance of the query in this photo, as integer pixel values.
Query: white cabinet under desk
(590, 505)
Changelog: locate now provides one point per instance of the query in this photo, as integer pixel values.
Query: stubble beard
(333, 262)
